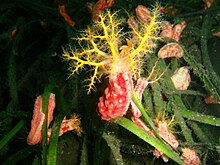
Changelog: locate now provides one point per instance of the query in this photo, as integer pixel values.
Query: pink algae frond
(166, 128)
(107, 48)
(164, 132)
(35, 134)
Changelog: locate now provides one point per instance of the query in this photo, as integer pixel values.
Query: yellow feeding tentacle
(101, 50)
(146, 37)
(104, 48)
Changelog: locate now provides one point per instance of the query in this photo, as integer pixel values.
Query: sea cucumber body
(117, 96)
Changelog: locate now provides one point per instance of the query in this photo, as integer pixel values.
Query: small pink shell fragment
(181, 78)
(142, 125)
(99, 7)
(171, 31)
(35, 134)
(177, 30)
(216, 34)
(70, 124)
(211, 100)
(139, 89)
(143, 14)
(208, 3)
(190, 157)
(167, 30)
(170, 50)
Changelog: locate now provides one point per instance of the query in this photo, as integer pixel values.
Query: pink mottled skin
(117, 96)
